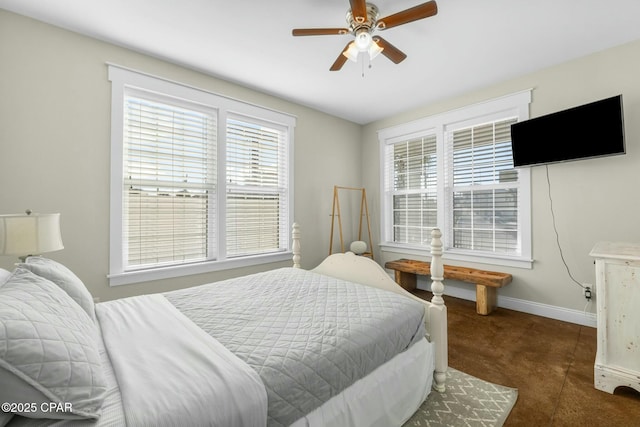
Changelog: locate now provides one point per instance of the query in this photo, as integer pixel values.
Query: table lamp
(27, 234)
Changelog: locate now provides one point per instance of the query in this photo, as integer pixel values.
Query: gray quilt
(307, 335)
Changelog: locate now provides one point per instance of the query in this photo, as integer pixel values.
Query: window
(257, 187)
(415, 189)
(455, 171)
(482, 189)
(169, 181)
(200, 182)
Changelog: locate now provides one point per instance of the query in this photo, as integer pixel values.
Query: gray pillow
(48, 350)
(63, 277)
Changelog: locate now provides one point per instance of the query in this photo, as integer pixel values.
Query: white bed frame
(359, 269)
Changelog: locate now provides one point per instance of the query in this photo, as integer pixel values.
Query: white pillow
(4, 276)
(63, 277)
(48, 350)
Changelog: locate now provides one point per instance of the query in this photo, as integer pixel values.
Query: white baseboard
(545, 310)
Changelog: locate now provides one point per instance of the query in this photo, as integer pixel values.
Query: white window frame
(513, 105)
(122, 78)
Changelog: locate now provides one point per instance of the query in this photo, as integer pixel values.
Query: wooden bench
(406, 271)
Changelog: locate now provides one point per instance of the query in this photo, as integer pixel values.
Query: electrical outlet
(587, 291)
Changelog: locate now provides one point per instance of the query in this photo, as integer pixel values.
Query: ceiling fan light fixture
(363, 41)
(352, 52)
(374, 50)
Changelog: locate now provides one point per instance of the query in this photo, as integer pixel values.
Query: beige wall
(54, 146)
(54, 157)
(594, 200)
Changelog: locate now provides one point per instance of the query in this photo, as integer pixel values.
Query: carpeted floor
(550, 362)
(468, 401)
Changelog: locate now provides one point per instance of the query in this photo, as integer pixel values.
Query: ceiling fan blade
(415, 13)
(359, 10)
(319, 31)
(389, 50)
(340, 60)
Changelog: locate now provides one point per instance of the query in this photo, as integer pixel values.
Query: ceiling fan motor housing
(367, 24)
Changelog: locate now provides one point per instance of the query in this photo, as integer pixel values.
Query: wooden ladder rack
(364, 212)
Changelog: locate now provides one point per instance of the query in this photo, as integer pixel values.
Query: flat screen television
(590, 130)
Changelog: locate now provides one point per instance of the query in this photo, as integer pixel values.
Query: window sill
(138, 276)
(457, 255)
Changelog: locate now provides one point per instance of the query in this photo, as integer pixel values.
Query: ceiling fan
(363, 21)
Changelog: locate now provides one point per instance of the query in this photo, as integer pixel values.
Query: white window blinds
(483, 188)
(257, 177)
(412, 187)
(169, 182)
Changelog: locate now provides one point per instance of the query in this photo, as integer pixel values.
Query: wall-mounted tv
(590, 130)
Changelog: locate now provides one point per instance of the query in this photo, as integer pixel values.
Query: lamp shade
(29, 234)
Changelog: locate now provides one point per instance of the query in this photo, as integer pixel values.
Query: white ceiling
(467, 45)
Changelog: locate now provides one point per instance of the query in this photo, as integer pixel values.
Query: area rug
(467, 401)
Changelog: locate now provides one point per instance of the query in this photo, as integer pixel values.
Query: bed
(339, 345)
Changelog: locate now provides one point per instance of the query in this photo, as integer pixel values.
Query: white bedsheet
(169, 370)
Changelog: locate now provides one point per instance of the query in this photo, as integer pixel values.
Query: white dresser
(618, 305)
